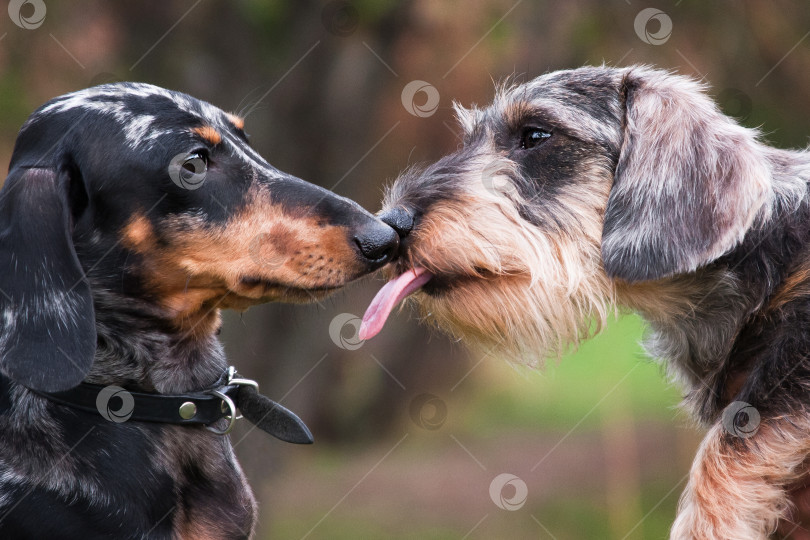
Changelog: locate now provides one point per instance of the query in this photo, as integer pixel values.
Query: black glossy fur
(112, 272)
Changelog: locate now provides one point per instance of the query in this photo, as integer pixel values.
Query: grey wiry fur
(644, 196)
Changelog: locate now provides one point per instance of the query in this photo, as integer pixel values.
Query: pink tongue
(388, 297)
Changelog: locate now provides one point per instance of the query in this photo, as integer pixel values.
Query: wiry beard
(502, 282)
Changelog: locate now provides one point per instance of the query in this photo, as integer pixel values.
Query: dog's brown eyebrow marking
(518, 112)
(521, 112)
(138, 232)
(237, 121)
(209, 134)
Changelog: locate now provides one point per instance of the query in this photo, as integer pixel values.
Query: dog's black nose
(377, 242)
(400, 219)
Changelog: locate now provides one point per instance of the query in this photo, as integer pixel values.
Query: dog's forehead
(585, 101)
(136, 107)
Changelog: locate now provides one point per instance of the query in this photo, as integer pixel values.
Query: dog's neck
(694, 319)
(692, 325)
(139, 349)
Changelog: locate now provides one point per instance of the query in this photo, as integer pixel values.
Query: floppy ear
(688, 184)
(47, 322)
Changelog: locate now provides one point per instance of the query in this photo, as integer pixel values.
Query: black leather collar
(205, 408)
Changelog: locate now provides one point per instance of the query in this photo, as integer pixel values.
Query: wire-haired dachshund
(598, 187)
(130, 217)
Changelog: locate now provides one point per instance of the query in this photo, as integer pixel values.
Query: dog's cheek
(298, 253)
(192, 262)
(466, 237)
(558, 166)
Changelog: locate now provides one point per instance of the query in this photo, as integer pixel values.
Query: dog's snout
(400, 219)
(377, 242)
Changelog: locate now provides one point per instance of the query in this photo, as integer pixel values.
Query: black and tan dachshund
(130, 217)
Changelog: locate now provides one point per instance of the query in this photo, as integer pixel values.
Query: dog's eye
(189, 170)
(532, 137)
(194, 165)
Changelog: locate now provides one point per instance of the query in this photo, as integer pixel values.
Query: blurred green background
(411, 428)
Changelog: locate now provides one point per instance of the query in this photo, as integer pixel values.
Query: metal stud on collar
(188, 410)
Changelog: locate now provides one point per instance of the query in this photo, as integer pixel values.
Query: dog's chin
(251, 291)
(490, 314)
(499, 313)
